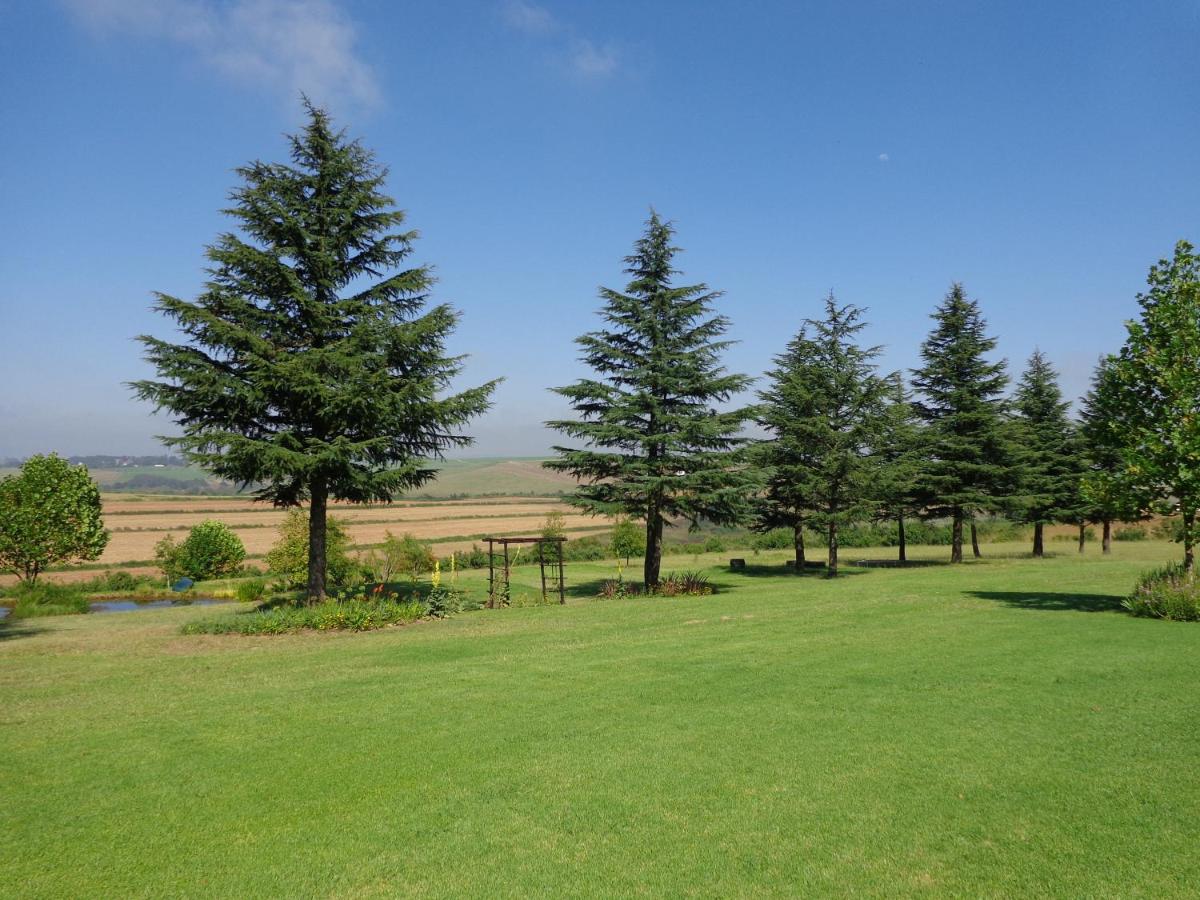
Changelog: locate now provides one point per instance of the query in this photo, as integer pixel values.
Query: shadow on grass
(1054, 600)
(12, 629)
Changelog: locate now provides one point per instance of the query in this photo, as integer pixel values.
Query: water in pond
(104, 606)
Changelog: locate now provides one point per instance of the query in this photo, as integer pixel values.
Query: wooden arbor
(499, 590)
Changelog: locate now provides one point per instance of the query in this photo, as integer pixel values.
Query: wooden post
(562, 596)
(491, 576)
(507, 576)
(542, 566)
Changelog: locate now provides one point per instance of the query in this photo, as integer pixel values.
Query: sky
(1045, 155)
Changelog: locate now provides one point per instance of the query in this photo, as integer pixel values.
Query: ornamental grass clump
(1166, 593)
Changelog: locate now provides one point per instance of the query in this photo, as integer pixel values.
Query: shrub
(211, 550)
(585, 549)
(1169, 528)
(1166, 593)
(686, 584)
(1130, 533)
(288, 559)
(251, 591)
(618, 588)
(351, 615)
(48, 599)
(1089, 534)
(714, 545)
(475, 558)
(775, 539)
(403, 555)
(444, 601)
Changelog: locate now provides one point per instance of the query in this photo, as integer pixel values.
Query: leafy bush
(618, 588)
(1166, 593)
(251, 591)
(211, 550)
(1130, 533)
(445, 601)
(475, 558)
(48, 599)
(775, 539)
(288, 559)
(351, 615)
(1169, 528)
(714, 545)
(403, 555)
(585, 549)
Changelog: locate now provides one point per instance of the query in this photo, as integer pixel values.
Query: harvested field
(138, 524)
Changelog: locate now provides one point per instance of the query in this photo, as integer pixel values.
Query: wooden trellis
(502, 597)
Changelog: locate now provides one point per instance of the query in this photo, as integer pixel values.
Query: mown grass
(994, 729)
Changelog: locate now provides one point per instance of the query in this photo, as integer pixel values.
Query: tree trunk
(1189, 540)
(1039, 544)
(956, 537)
(316, 541)
(975, 540)
(654, 533)
(1082, 535)
(798, 537)
(902, 553)
(831, 568)
(1106, 542)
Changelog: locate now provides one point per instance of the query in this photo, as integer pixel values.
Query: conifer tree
(655, 447)
(312, 367)
(1047, 456)
(784, 500)
(826, 406)
(1107, 492)
(1158, 372)
(899, 462)
(969, 458)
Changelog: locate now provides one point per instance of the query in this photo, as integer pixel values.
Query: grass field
(992, 729)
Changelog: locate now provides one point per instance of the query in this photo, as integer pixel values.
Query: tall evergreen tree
(969, 455)
(1158, 372)
(313, 369)
(655, 446)
(826, 405)
(1047, 454)
(784, 500)
(899, 463)
(1107, 490)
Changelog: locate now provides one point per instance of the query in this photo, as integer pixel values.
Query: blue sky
(1043, 154)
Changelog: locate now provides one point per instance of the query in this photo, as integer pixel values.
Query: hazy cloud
(529, 17)
(285, 47)
(582, 56)
(883, 157)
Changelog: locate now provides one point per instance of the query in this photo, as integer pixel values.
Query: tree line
(313, 366)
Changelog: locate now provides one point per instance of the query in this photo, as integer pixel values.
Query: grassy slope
(990, 729)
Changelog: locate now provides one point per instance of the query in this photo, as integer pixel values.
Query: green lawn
(993, 729)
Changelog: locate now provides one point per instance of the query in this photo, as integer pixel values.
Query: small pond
(108, 606)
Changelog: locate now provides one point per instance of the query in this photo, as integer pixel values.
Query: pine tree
(1048, 457)
(1106, 489)
(969, 457)
(1158, 372)
(656, 448)
(899, 462)
(784, 500)
(312, 368)
(826, 406)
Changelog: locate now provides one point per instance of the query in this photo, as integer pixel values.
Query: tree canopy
(49, 514)
(312, 367)
(654, 443)
(960, 400)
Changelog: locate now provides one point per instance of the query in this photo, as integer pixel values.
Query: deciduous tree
(49, 514)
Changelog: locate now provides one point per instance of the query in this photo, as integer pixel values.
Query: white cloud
(580, 55)
(883, 157)
(284, 47)
(529, 17)
(591, 61)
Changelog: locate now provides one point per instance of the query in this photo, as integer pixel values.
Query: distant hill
(495, 476)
